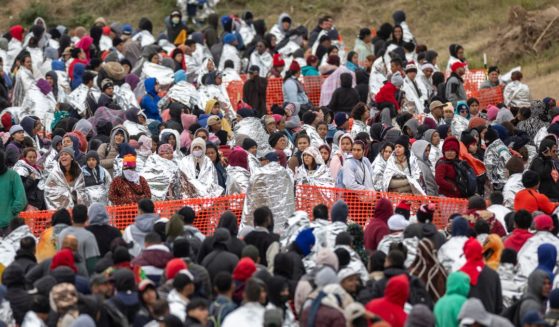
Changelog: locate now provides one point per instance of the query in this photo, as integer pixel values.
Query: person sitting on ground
(529, 198)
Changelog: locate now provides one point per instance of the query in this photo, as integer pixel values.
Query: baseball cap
(254, 69)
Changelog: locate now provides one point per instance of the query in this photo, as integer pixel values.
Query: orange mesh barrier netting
(274, 92)
(472, 81)
(312, 86)
(207, 210)
(361, 207)
(361, 203)
(235, 92)
(491, 96)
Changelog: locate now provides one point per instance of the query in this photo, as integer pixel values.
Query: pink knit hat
(492, 112)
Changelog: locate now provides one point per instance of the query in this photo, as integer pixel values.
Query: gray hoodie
(533, 299)
(97, 214)
(473, 311)
(430, 186)
(136, 232)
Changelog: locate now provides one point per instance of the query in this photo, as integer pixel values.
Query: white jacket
(249, 314)
(229, 52)
(177, 305)
(263, 61)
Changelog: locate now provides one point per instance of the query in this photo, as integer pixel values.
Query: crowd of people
(117, 115)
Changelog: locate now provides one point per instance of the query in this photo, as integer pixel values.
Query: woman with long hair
(65, 186)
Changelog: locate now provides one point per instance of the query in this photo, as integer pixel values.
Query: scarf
(474, 260)
(131, 176)
(428, 269)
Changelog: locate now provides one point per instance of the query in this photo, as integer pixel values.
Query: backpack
(466, 179)
(195, 243)
(512, 313)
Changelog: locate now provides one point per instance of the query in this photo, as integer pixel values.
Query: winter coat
(219, 260)
(150, 100)
(448, 307)
(153, 260)
(391, 306)
(254, 93)
(445, 176)
(533, 299)
(20, 301)
(517, 239)
(14, 199)
(496, 156)
(249, 314)
(455, 91)
(123, 191)
(531, 200)
(108, 152)
(345, 97)
(136, 232)
(488, 290)
(177, 304)
(378, 226)
(294, 92)
(387, 93)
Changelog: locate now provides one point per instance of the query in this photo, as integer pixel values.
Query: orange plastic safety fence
(472, 81)
(235, 92)
(490, 96)
(312, 86)
(274, 92)
(208, 211)
(362, 203)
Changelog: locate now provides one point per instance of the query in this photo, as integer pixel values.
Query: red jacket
(391, 307)
(387, 93)
(445, 175)
(532, 200)
(517, 239)
(378, 226)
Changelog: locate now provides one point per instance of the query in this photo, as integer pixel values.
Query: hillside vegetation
(475, 24)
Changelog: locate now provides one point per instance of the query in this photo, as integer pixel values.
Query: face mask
(197, 153)
(176, 20)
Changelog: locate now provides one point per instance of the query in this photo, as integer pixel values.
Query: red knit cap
(173, 267)
(238, 158)
(457, 65)
(65, 258)
(244, 270)
(451, 144)
(6, 121)
(277, 61)
(294, 66)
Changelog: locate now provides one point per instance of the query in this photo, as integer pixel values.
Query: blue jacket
(150, 100)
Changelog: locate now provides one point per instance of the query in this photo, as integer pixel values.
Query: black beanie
(249, 143)
(491, 135)
(343, 257)
(404, 141)
(467, 139)
(509, 256)
(274, 138)
(530, 178)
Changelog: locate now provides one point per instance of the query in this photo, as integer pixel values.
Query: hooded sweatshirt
(378, 226)
(391, 306)
(13, 199)
(418, 148)
(448, 307)
(100, 228)
(150, 100)
(345, 97)
(517, 239)
(533, 299)
(136, 232)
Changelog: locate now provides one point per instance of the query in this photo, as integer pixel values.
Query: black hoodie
(345, 97)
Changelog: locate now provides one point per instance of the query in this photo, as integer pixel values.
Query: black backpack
(512, 313)
(466, 179)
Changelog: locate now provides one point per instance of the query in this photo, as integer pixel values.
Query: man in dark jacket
(265, 241)
(20, 300)
(345, 97)
(455, 84)
(544, 165)
(154, 257)
(228, 220)
(254, 91)
(25, 256)
(220, 259)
